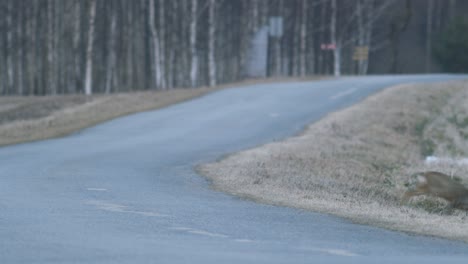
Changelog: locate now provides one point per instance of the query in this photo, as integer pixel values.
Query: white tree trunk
(337, 60)
(156, 49)
(368, 32)
(193, 45)
(303, 43)
(162, 45)
(333, 36)
(76, 46)
(89, 50)
(321, 56)
(129, 54)
(110, 78)
(174, 41)
(20, 56)
(10, 48)
(211, 45)
(51, 49)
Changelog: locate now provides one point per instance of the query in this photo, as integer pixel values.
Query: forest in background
(101, 46)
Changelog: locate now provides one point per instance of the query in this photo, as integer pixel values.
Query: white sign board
(276, 26)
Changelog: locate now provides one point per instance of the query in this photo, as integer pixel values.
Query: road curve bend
(126, 191)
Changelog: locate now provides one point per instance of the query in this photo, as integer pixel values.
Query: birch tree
(155, 44)
(76, 46)
(322, 36)
(193, 45)
(303, 42)
(335, 40)
(111, 58)
(9, 45)
(20, 51)
(51, 51)
(54, 47)
(162, 45)
(89, 49)
(211, 44)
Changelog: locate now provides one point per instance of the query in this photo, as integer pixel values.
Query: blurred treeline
(97, 46)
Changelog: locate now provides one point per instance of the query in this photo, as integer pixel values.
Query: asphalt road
(126, 191)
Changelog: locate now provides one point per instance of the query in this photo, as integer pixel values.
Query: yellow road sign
(361, 53)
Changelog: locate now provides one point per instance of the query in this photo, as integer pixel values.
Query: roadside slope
(354, 163)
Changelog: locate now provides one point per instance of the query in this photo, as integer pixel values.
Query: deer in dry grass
(439, 185)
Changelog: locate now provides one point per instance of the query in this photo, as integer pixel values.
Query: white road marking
(106, 206)
(97, 189)
(344, 93)
(111, 207)
(244, 240)
(199, 232)
(205, 233)
(181, 228)
(147, 213)
(334, 251)
(340, 252)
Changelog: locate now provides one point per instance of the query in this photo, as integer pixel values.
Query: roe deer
(439, 185)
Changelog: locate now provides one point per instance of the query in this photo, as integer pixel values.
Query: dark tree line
(103, 46)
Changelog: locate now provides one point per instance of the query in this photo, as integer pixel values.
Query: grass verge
(354, 163)
(24, 119)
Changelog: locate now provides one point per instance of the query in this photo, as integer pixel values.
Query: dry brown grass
(24, 119)
(354, 163)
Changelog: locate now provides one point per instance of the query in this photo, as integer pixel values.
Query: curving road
(126, 192)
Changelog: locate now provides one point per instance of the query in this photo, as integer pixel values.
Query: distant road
(126, 192)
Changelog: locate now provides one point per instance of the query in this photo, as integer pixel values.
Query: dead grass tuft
(354, 163)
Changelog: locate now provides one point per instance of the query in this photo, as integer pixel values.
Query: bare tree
(322, 36)
(89, 49)
(193, 45)
(335, 40)
(9, 44)
(372, 17)
(111, 59)
(53, 46)
(162, 44)
(51, 50)
(430, 4)
(76, 45)
(156, 50)
(20, 51)
(211, 44)
(303, 44)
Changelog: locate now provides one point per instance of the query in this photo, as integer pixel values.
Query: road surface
(126, 191)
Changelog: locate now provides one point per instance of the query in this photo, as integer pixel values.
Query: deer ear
(421, 179)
